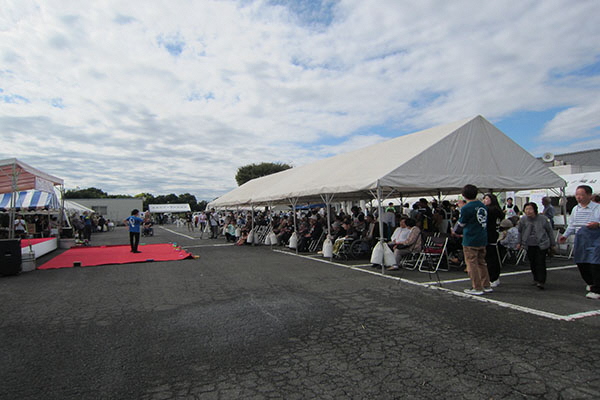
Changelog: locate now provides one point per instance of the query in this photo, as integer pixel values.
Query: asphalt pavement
(256, 323)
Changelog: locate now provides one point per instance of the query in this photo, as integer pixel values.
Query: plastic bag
(377, 254)
(293, 241)
(273, 238)
(250, 237)
(389, 258)
(327, 248)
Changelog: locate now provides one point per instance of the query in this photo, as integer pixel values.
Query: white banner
(43, 185)
(162, 208)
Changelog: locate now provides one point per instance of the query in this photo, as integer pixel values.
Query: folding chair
(314, 244)
(432, 255)
(515, 255)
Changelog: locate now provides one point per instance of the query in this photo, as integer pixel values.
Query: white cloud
(575, 122)
(131, 97)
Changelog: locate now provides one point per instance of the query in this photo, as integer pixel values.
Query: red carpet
(33, 242)
(103, 255)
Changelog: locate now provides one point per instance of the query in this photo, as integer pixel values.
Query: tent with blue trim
(30, 200)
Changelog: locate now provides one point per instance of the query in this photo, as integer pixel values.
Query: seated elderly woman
(412, 244)
(400, 234)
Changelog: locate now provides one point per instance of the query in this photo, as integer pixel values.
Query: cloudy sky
(173, 96)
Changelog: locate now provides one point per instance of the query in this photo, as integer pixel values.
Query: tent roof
(27, 176)
(30, 200)
(74, 207)
(443, 158)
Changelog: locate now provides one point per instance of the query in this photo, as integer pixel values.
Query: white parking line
(502, 274)
(433, 285)
(208, 245)
(177, 233)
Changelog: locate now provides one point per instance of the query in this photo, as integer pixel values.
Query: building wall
(114, 209)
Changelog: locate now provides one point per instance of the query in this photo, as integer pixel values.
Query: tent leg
(380, 214)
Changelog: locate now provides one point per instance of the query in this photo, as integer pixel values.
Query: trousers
(477, 267)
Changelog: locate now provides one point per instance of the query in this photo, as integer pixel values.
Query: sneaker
(474, 292)
(392, 268)
(540, 286)
(488, 290)
(588, 288)
(496, 283)
(593, 295)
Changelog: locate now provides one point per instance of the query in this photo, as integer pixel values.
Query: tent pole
(253, 233)
(563, 206)
(328, 199)
(13, 202)
(380, 214)
(294, 202)
(62, 211)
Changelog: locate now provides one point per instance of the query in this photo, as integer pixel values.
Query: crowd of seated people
(404, 229)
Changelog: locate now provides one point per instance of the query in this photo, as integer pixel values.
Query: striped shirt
(581, 216)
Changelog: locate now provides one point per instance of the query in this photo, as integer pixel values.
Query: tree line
(147, 198)
(243, 175)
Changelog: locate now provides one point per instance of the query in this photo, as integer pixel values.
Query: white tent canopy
(166, 208)
(75, 208)
(592, 179)
(437, 160)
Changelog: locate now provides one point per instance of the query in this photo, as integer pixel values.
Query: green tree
(147, 198)
(89, 193)
(249, 172)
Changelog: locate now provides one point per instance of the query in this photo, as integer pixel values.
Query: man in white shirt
(585, 214)
(20, 227)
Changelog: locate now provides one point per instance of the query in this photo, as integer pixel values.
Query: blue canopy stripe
(30, 200)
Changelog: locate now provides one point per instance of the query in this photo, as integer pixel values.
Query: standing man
(510, 209)
(213, 221)
(548, 210)
(473, 221)
(134, 222)
(20, 227)
(584, 222)
(87, 227)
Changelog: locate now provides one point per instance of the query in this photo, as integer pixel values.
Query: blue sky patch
(57, 102)
(123, 19)
(14, 98)
(174, 44)
(524, 127)
(315, 13)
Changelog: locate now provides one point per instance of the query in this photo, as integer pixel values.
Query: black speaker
(10, 256)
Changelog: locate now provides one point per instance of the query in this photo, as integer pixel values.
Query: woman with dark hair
(536, 233)
(412, 244)
(494, 216)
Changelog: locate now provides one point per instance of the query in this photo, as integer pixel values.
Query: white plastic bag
(250, 237)
(268, 240)
(273, 238)
(377, 254)
(256, 239)
(293, 241)
(238, 232)
(327, 248)
(389, 258)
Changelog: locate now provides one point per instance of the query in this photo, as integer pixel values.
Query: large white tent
(437, 160)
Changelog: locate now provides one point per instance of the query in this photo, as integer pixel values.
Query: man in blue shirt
(473, 220)
(134, 223)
